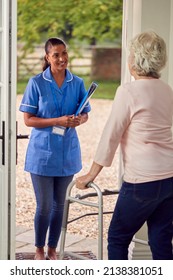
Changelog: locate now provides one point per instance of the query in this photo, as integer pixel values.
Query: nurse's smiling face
(57, 58)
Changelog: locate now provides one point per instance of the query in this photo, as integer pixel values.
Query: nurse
(53, 155)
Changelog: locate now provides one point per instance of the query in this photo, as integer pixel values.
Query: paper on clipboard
(86, 98)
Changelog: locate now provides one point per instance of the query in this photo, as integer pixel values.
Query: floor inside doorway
(30, 256)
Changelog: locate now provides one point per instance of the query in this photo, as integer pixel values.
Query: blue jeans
(50, 196)
(150, 202)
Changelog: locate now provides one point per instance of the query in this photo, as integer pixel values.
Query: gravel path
(89, 135)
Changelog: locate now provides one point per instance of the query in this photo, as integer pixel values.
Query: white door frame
(138, 16)
(8, 40)
(170, 53)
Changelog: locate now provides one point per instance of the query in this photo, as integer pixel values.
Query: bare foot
(51, 254)
(39, 255)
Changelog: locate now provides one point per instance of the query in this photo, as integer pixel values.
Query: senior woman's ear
(131, 65)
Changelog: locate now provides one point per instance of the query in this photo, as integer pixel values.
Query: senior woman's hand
(82, 182)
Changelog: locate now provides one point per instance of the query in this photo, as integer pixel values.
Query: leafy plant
(91, 21)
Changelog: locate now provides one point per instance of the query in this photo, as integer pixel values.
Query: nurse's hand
(73, 121)
(70, 120)
(77, 120)
(67, 121)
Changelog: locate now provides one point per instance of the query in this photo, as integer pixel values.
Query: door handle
(19, 136)
(2, 137)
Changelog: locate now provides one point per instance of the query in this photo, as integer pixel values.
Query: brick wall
(106, 63)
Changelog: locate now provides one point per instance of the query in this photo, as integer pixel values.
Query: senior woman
(141, 122)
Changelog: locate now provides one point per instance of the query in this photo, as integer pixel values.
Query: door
(138, 16)
(7, 127)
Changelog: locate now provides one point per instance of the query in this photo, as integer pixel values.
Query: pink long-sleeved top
(141, 122)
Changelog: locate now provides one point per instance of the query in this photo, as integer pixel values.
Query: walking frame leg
(64, 229)
(98, 205)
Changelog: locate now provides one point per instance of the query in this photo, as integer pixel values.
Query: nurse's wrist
(56, 122)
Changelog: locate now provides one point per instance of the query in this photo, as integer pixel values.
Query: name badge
(60, 130)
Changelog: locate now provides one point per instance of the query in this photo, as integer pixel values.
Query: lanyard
(59, 105)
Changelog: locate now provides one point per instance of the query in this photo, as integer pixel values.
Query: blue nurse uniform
(50, 154)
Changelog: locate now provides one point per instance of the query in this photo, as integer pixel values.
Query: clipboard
(86, 98)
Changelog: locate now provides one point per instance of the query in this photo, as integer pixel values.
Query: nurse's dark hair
(51, 42)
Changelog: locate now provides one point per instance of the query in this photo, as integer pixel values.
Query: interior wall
(157, 15)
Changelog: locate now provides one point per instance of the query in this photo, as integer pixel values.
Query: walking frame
(99, 205)
(81, 200)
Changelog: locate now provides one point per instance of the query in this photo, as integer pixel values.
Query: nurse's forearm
(42, 123)
(33, 121)
(66, 121)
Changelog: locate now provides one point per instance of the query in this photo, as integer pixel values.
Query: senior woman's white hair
(148, 54)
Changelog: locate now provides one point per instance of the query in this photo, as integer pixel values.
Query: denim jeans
(150, 202)
(50, 196)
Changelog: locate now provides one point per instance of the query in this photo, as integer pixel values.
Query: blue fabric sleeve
(29, 102)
